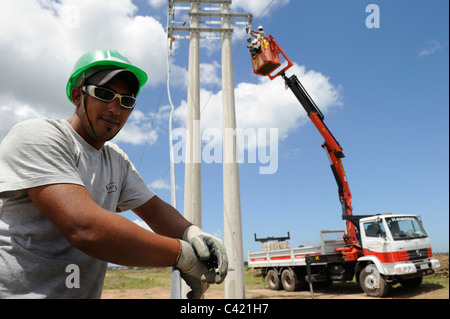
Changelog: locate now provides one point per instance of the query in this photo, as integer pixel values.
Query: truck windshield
(405, 227)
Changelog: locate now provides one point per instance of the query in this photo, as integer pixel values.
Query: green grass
(142, 278)
(145, 278)
(436, 280)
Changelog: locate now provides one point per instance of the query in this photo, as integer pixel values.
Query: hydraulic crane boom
(333, 149)
(267, 62)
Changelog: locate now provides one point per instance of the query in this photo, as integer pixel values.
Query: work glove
(211, 251)
(193, 271)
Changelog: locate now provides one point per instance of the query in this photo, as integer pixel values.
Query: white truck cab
(395, 248)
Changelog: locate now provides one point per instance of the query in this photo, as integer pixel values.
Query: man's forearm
(123, 242)
(163, 218)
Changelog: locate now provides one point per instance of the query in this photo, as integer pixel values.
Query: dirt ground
(335, 291)
(427, 291)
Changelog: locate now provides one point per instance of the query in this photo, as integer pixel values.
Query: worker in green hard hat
(91, 73)
(61, 184)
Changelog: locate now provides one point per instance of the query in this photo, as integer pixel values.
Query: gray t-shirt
(36, 261)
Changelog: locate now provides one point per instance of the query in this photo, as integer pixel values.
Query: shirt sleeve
(36, 153)
(134, 191)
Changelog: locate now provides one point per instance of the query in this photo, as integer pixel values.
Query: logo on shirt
(111, 188)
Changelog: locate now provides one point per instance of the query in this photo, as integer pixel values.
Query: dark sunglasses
(107, 95)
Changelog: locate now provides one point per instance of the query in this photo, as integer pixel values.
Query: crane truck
(377, 250)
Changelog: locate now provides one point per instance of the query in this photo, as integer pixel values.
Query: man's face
(107, 118)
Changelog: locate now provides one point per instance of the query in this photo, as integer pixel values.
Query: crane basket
(268, 60)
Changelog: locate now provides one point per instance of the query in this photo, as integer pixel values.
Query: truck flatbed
(297, 256)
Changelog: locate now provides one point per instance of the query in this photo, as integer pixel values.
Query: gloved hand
(193, 271)
(208, 248)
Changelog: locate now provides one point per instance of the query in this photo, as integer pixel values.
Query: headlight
(401, 269)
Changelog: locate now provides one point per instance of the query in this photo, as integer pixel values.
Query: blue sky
(384, 93)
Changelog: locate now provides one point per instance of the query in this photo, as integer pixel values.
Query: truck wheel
(273, 280)
(289, 280)
(372, 282)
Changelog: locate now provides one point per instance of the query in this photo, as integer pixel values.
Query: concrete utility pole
(235, 281)
(192, 182)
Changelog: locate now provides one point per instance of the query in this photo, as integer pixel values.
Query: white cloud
(138, 130)
(178, 77)
(209, 74)
(46, 37)
(157, 3)
(258, 7)
(432, 47)
(160, 183)
(13, 113)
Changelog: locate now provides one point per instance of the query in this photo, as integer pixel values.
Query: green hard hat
(98, 60)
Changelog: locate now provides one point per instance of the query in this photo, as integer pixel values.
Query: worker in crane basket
(61, 183)
(260, 36)
(253, 46)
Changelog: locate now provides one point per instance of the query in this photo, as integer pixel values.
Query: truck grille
(418, 254)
